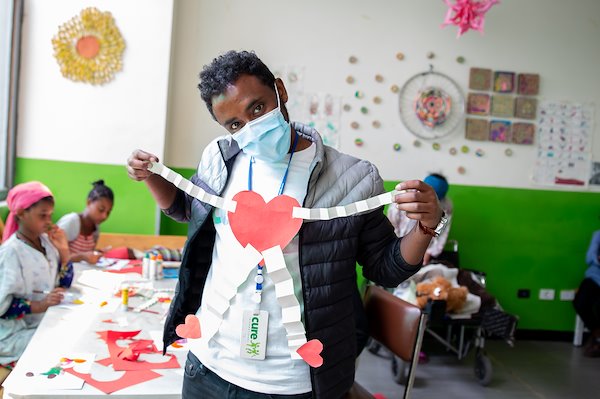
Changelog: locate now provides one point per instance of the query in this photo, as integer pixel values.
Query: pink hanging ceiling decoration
(468, 14)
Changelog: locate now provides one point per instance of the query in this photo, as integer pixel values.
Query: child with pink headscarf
(31, 266)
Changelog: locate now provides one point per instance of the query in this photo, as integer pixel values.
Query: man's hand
(138, 163)
(419, 203)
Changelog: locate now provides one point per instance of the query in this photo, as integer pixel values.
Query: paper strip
(183, 184)
(224, 289)
(284, 290)
(297, 212)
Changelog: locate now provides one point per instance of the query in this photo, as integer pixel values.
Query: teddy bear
(440, 289)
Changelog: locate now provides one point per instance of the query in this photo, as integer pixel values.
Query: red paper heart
(190, 329)
(311, 353)
(263, 225)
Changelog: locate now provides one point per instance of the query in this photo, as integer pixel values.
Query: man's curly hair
(226, 69)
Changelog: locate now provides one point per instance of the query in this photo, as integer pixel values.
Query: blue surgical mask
(267, 138)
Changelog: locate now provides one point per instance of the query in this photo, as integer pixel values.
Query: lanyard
(259, 278)
(282, 186)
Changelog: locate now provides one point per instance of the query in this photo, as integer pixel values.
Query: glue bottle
(124, 298)
(146, 266)
(152, 273)
(159, 267)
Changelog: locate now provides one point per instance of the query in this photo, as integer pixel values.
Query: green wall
(134, 210)
(521, 238)
(525, 239)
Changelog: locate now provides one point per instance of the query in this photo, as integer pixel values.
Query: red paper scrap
(126, 358)
(128, 379)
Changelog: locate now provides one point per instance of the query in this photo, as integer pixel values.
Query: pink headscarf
(22, 196)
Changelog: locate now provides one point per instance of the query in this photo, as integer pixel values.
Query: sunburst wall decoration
(89, 47)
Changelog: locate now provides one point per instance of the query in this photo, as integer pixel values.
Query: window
(10, 39)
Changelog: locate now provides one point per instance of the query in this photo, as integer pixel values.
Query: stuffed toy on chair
(440, 289)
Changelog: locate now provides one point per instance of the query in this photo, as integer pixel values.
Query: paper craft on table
(128, 358)
(60, 381)
(126, 379)
(179, 345)
(106, 281)
(54, 377)
(128, 269)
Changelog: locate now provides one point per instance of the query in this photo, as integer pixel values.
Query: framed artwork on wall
(523, 133)
(478, 104)
(502, 106)
(500, 131)
(504, 82)
(477, 129)
(528, 84)
(526, 107)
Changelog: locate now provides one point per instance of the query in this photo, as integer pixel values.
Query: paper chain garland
(298, 212)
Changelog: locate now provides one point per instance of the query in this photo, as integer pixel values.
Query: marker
(46, 292)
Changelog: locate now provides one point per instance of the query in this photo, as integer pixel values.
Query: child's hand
(91, 257)
(58, 238)
(137, 164)
(53, 298)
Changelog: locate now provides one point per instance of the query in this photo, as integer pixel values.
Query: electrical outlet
(546, 294)
(567, 295)
(523, 293)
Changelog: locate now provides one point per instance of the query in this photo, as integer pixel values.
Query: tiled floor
(531, 369)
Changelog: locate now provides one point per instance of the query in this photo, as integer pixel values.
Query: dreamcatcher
(431, 105)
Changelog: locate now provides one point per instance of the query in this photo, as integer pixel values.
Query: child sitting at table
(31, 258)
(83, 229)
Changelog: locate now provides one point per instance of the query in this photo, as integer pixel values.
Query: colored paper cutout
(129, 378)
(189, 329)
(126, 358)
(311, 353)
(467, 14)
(264, 225)
(131, 269)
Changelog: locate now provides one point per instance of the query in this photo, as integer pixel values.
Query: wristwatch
(438, 229)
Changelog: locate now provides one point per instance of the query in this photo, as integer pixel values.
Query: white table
(72, 330)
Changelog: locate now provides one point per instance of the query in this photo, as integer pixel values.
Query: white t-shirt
(277, 373)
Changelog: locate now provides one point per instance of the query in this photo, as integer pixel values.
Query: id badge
(254, 335)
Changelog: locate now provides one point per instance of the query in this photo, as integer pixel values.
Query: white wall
(557, 39)
(60, 119)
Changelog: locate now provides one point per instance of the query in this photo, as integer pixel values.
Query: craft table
(73, 330)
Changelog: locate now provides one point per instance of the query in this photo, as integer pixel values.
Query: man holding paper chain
(305, 340)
